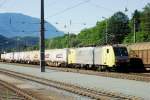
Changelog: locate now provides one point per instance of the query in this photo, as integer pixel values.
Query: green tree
(146, 19)
(140, 37)
(118, 27)
(142, 23)
(136, 20)
(92, 36)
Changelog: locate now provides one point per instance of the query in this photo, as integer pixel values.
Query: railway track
(10, 92)
(36, 89)
(93, 94)
(130, 76)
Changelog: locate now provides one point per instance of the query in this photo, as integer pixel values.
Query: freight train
(108, 57)
(139, 55)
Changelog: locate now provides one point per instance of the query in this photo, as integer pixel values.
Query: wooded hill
(120, 29)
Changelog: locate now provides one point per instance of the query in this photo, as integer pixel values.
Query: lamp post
(134, 31)
(69, 34)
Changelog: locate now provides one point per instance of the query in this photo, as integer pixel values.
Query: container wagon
(139, 53)
(56, 57)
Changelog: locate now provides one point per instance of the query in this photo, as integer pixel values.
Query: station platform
(98, 83)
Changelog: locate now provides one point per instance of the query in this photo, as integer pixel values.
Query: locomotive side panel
(84, 55)
(110, 56)
(104, 56)
(98, 56)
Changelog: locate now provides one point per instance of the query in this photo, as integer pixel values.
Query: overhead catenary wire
(102, 7)
(69, 8)
(53, 3)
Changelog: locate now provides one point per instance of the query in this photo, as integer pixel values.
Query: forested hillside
(120, 29)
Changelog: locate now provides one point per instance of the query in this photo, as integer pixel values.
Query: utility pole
(106, 29)
(42, 39)
(134, 31)
(68, 40)
(69, 34)
(106, 34)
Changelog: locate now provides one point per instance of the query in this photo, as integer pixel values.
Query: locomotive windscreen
(120, 51)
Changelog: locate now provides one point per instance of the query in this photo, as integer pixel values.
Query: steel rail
(129, 76)
(100, 95)
(17, 90)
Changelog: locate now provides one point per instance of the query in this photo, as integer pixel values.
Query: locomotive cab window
(120, 51)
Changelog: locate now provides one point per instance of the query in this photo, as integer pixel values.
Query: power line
(53, 3)
(69, 8)
(99, 6)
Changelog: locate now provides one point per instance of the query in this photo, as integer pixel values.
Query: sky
(72, 15)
